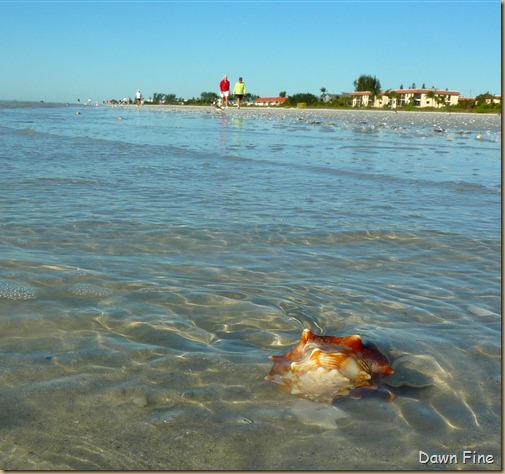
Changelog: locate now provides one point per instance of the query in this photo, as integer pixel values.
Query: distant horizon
(146, 96)
(316, 93)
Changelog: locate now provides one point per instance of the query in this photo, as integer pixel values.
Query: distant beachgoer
(239, 91)
(138, 98)
(224, 87)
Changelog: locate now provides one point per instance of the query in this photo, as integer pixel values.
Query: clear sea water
(150, 266)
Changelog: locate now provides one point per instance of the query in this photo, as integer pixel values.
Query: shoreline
(294, 109)
(27, 103)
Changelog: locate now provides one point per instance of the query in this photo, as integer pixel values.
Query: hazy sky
(64, 50)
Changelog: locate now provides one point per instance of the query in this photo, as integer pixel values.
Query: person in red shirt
(224, 87)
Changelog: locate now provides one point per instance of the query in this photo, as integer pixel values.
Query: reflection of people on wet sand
(239, 91)
(224, 88)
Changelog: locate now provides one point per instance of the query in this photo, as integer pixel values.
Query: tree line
(206, 98)
(481, 103)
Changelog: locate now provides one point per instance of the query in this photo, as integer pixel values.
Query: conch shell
(323, 368)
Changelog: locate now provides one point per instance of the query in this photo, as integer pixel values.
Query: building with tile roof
(270, 101)
(396, 98)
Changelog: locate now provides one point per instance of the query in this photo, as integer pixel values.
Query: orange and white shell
(322, 368)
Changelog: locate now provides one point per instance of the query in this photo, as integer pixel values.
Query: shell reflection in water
(324, 368)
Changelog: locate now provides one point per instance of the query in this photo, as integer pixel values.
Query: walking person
(224, 87)
(239, 91)
(138, 98)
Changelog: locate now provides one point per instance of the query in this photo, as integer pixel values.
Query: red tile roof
(409, 91)
(361, 93)
(424, 91)
(268, 100)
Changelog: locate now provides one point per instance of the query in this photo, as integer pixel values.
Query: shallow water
(151, 265)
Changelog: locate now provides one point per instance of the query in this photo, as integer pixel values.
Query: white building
(396, 98)
(269, 101)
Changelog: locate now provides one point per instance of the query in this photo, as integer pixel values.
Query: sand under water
(150, 266)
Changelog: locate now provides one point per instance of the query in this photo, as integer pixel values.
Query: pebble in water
(89, 290)
(140, 401)
(415, 371)
(12, 291)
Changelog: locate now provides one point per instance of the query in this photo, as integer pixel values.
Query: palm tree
(441, 99)
(393, 95)
(431, 95)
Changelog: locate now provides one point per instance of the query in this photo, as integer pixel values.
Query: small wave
(26, 131)
(465, 187)
(15, 104)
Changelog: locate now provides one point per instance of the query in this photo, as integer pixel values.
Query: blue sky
(64, 50)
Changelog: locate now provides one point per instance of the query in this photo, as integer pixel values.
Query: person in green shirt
(239, 91)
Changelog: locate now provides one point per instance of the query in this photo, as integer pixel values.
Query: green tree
(208, 97)
(342, 101)
(431, 95)
(485, 103)
(442, 99)
(170, 99)
(160, 98)
(392, 96)
(307, 97)
(250, 97)
(367, 83)
(483, 99)
(282, 94)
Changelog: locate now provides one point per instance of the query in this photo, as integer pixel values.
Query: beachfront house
(396, 98)
(362, 99)
(329, 97)
(493, 99)
(269, 101)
